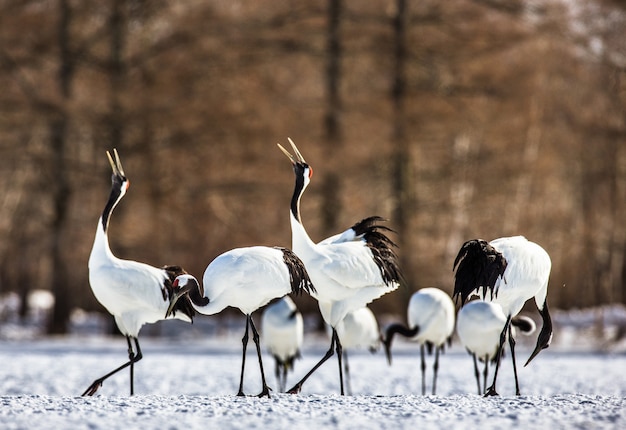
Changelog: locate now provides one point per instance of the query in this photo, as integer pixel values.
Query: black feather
(381, 246)
(183, 304)
(478, 265)
(298, 275)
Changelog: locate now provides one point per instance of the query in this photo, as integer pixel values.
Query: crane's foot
(296, 389)
(265, 392)
(241, 394)
(93, 388)
(491, 391)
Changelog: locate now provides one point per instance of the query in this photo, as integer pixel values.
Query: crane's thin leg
(277, 373)
(296, 388)
(485, 373)
(255, 336)
(339, 350)
(423, 368)
(491, 391)
(346, 367)
(512, 346)
(133, 358)
(436, 369)
(476, 374)
(283, 382)
(244, 341)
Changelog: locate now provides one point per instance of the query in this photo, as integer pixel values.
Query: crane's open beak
(176, 296)
(298, 158)
(116, 165)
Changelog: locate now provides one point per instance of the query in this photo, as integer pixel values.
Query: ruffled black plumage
(478, 264)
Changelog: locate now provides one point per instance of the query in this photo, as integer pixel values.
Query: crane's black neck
(118, 183)
(299, 170)
(400, 329)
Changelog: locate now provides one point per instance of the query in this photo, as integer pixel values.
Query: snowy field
(190, 382)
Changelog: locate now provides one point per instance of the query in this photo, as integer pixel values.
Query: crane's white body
(129, 290)
(526, 275)
(508, 272)
(343, 272)
(432, 310)
(282, 329)
(349, 270)
(359, 329)
(479, 326)
(244, 278)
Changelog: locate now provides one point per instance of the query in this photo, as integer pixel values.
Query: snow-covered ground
(189, 376)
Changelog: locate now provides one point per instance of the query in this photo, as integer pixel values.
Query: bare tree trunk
(61, 185)
(402, 180)
(117, 25)
(331, 183)
(516, 207)
(462, 186)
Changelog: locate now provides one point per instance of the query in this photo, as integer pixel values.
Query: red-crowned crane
(507, 271)
(349, 270)
(246, 279)
(282, 333)
(430, 317)
(133, 292)
(479, 326)
(358, 329)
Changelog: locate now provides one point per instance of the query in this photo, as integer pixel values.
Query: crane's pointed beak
(116, 165)
(112, 163)
(175, 297)
(298, 156)
(545, 335)
(118, 162)
(296, 151)
(293, 160)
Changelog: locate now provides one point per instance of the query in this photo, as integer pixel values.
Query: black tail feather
(381, 247)
(298, 275)
(478, 264)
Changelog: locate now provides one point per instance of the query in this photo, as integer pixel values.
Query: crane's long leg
(339, 350)
(476, 373)
(512, 346)
(244, 341)
(346, 366)
(491, 391)
(423, 368)
(255, 337)
(296, 388)
(277, 373)
(283, 382)
(132, 359)
(485, 373)
(436, 369)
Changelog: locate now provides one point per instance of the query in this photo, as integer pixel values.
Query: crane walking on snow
(246, 279)
(134, 293)
(349, 270)
(430, 316)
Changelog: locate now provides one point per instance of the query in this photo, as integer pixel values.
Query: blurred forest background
(453, 119)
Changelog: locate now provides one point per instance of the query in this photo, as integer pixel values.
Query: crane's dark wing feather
(478, 265)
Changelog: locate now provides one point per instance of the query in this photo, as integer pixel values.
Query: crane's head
(186, 287)
(119, 185)
(118, 178)
(300, 167)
